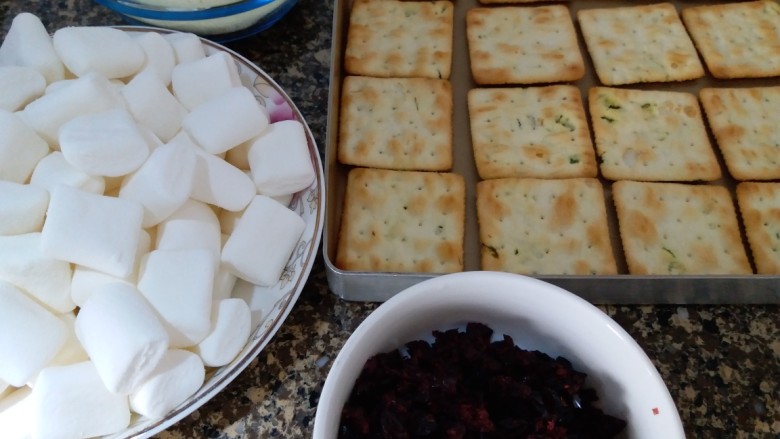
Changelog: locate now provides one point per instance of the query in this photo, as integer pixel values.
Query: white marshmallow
(160, 56)
(226, 120)
(261, 300)
(107, 143)
(107, 51)
(20, 86)
(178, 283)
(179, 375)
(192, 226)
(53, 170)
(122, 335)
(262, 241)
(30, 336)
(89, 94)
(186, 46)
(16, 414)
(199, 81)
(22, 263)
(20, 148)
(231, 326)
(96, 231)
(153, 106)
(163, 183)
(71, 402)
(22, 209)
(284, 200)
(221, 184)
(224, 281)
(280, 161)
(28, 44)
(71, 351)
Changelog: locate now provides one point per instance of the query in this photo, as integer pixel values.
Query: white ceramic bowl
(538, 316)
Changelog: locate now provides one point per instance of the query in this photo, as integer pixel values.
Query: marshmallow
(231, 326)
(199, 81)
(178, 283)
(122, 335)
(177, 377)
(228, 220)
(20, 148)
(23, 264)
(280, 161)
(96, 231)
(28, 44)
(71, 402)
(226, 120)
(22, 209)
(153, 106)
(193, 226)
(262, 242)
(106, 143)
(261, 300)
(224, 281)
(163, 183)
(53, 170)
(106, 51)
(187, 47)
(160, 56)
(221, 184)
(30, 336)
(20, 86)
(89, 94)
(71, 351)
(16, 414)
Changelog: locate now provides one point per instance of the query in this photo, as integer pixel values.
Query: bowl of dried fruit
(492, 355)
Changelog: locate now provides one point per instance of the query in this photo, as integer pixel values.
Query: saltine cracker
(539, 132)
(402, 221)
(737, 40)
(746, 126)
(646, 43)
(651, 135)
(676, 228)
(400, 39)
(759, 205)
(537, 226)
(523, 45)
(396, 123)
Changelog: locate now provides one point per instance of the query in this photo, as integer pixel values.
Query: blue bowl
(216, 20)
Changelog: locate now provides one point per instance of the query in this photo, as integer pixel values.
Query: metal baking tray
(599, 289)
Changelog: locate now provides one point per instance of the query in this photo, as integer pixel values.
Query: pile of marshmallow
(138, 180)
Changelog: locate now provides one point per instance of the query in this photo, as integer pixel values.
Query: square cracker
(523, 45)
(651, 135)
(396, 123)
(737, 40)
(537, 132)
(535, 226)
(746, 126)
(633, 44)
(402, 221)
(400, 39)
(675, 228)
(759, 205)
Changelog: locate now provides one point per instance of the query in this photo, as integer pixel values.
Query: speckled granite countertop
(721, 363)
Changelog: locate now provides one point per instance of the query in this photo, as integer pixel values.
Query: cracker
(651, 136)
(737, 40)
(746, 126)
(530, 132)
(759, 205)
(633, 44)
(402, 221)
(400, 39)
(535, 226)
(396, 123)
(523, 45)
(675, 228)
